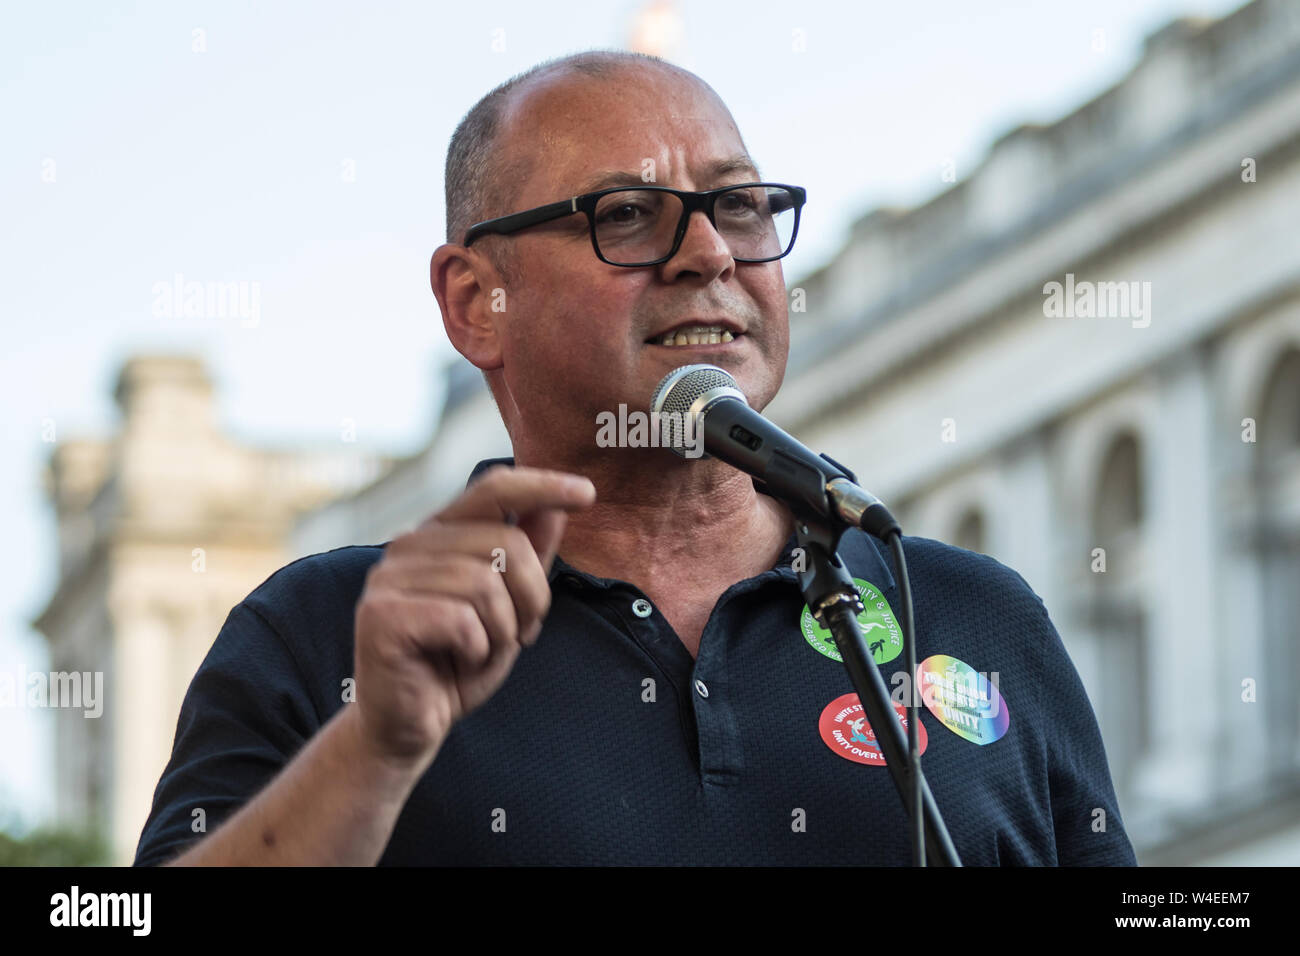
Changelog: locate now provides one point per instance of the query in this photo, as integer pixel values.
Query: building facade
(1084, 360)
(162, 530)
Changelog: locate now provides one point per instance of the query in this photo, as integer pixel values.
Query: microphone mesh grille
(683, 393)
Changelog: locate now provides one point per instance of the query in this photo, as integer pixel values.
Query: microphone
(704, 399)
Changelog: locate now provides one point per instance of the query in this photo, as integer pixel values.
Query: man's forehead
(647, 81)
(708, 173)
(581, 133)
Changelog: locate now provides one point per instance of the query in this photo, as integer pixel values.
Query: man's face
(579, 336)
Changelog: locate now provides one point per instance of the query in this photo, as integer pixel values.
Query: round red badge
(844, 728)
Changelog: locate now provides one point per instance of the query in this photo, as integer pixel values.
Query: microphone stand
(834, 601)
(826, 500)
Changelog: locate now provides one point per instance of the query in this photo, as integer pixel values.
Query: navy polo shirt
(609, 744)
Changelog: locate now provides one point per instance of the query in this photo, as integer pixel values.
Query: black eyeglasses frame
(692, 202)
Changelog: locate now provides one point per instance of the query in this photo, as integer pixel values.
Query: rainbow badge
(964, 700)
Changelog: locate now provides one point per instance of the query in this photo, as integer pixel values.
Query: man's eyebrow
(736, 164)
(621, 177)
(610, 177)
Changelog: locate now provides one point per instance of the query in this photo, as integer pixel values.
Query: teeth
(697, 335)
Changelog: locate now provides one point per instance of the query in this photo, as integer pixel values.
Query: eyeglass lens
(639, 225)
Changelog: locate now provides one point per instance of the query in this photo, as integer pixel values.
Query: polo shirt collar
(862, 553)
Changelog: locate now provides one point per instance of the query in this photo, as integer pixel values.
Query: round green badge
(879, 627)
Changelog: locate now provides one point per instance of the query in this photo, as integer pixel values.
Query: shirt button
(641, 607)
(701, 689)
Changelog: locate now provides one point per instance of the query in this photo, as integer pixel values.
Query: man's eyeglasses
(644, 225)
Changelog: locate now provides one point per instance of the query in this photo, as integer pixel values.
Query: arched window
(1118, 612)
(1277, 484)
(1118, 506)
(1279, 423)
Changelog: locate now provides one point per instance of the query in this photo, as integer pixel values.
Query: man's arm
(335, 804)
(436, 631)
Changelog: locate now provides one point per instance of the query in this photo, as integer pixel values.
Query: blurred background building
(1141, 470)
(162, 530)
(1167, 445)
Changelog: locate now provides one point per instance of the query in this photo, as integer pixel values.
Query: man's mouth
(695, 335)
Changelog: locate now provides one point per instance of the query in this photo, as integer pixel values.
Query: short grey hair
(477, 176)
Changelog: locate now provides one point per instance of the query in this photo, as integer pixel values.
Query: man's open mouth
(694, 335)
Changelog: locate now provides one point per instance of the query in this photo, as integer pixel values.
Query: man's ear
(466, 288)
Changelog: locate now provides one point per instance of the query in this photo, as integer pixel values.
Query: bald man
(600, 654)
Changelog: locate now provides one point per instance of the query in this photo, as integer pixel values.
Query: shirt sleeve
(245, 715)
(1085, 812)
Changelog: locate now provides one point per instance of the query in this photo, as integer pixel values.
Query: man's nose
(703, 252)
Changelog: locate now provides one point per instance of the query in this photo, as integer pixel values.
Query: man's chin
(750, 368)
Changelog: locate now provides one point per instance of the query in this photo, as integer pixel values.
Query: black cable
(895, 539)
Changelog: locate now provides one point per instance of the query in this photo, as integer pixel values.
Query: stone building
(163, 528)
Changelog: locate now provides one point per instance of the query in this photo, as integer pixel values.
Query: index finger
(509, 493)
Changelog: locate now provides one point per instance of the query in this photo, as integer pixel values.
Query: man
(595, 656)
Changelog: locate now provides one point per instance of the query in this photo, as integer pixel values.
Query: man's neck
(660, 518)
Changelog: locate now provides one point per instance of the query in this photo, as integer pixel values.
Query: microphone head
(681, 400)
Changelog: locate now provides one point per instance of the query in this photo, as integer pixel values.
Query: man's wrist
(359, 751)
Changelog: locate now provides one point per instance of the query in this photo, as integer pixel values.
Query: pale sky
(228, 164)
